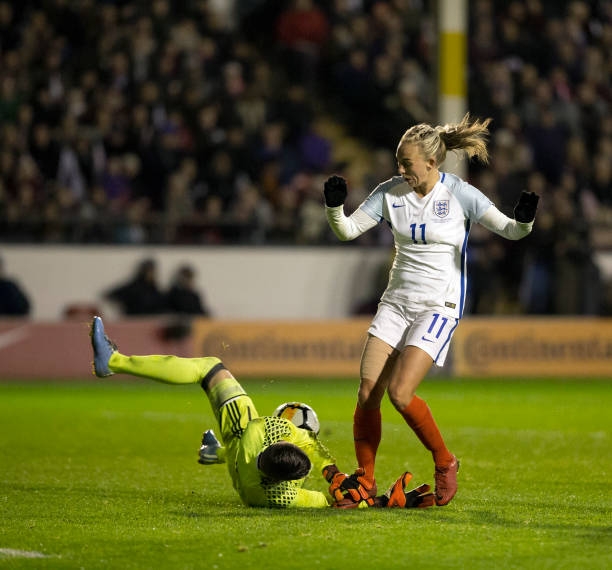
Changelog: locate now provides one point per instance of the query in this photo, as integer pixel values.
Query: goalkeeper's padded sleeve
(504, 226)
(349, 228)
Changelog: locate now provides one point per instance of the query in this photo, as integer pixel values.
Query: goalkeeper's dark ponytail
(284, 461)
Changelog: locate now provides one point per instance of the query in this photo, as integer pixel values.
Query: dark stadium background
(214, 123)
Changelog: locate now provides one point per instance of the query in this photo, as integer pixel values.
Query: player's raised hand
(525, 209)
(334, 190)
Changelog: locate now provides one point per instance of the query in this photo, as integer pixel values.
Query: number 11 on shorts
(436, 316)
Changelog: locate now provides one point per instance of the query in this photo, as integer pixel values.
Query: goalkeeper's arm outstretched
(268, 458)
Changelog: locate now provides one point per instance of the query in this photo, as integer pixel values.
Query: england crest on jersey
(441, 208)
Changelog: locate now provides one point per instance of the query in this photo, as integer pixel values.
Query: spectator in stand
(141, 295)
(183, 297)
(13, 301)
(302, 31)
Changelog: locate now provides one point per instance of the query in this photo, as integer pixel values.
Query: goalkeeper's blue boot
(211, 450)
(103, 348)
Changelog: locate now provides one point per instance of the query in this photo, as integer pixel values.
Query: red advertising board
(63, 350)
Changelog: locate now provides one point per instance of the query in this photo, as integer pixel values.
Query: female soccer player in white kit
(430, 214)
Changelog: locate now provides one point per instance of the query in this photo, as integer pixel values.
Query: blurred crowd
(216, 122)
(543, 71)
(137, 122)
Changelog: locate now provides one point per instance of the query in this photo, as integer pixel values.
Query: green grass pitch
(103, 474)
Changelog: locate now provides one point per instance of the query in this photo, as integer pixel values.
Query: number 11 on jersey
(413, 228)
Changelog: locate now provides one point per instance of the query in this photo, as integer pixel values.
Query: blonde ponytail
(465, 136)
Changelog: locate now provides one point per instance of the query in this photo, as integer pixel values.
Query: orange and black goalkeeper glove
(335, 477)
(329, 471)
(348, 491)
(396, 496)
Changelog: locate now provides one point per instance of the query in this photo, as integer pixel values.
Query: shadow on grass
(483, 517)
(352, 515)
(476, 518)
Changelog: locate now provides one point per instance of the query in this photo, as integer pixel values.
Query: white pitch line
(13, 553)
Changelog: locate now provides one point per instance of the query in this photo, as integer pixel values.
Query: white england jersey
(431, 233)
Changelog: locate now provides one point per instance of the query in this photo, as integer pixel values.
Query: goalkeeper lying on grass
(268, 458)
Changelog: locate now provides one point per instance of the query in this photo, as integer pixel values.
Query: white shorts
(399, 327)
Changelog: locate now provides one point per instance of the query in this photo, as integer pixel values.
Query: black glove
(525, 209)
(335, 191)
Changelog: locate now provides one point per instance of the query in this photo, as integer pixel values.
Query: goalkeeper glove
(329, 472)
(396, 496)
(349, 491)
(335, 477)
(525, 209)
(334, 190)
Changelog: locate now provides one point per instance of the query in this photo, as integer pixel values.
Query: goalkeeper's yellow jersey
(254, 487)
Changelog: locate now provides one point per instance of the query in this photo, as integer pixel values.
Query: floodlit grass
(104, 475)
